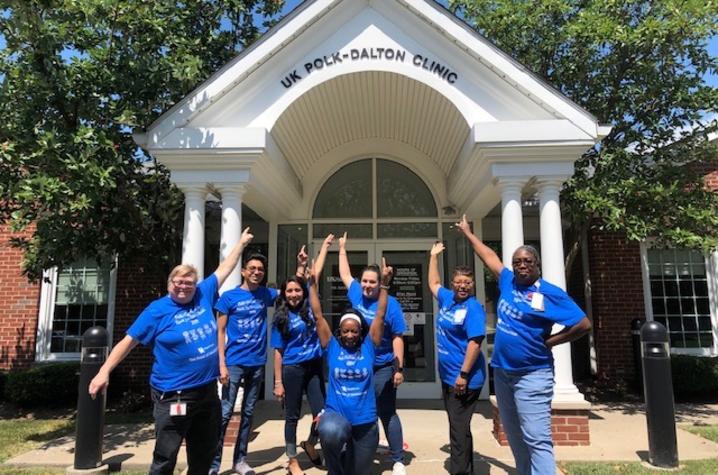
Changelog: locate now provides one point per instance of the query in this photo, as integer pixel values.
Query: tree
(75, 77)
(638, 66)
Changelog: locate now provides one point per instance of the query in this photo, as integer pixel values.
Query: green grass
(20, 435)
(709, 432)
(688, 467)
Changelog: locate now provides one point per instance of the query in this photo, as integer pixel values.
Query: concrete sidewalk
(618, 433)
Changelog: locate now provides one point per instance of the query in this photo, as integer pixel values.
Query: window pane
(401, 193)
(680, 292)
(354, 231)
(406, 230)
(81, 301)
(290, 238)
(347, 193)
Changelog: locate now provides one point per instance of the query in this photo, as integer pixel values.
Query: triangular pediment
(325, 39)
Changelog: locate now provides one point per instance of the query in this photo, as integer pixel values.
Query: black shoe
(317, 460)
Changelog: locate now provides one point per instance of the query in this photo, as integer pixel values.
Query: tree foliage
(75, 77)
(638, 66)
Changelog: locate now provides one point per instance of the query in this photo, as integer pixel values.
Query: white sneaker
(243, 468)
(398, 469)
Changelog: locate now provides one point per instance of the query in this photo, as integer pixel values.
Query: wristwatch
(464, 374)
(400, 369)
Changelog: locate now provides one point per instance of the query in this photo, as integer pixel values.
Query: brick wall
(19, 305)
(137, 286)
(617, 298)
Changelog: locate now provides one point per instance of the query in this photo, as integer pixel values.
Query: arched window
(352, 191)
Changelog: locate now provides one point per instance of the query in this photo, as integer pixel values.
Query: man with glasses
(242, 343)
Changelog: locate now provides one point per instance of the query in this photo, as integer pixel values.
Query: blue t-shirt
(246, 324)
(521, 330)
(302, 342)
(351, 381)
(184, 339)
(393, 321)
(456, 324)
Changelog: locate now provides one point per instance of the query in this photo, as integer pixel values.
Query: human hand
(463, 225)
(223, 374)
(329, 240)
(343, 242)
(246, 237)
(98, 384)
(398, 379)
(437, 248)
(460, 385)
(279, 390)
(302, 257)
(387, 272)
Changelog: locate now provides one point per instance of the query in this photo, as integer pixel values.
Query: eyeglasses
(523, 260)
(183, 283)
(259, 270)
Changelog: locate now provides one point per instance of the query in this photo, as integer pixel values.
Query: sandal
(306, 446)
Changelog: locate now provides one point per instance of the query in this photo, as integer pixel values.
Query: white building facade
(387, 120)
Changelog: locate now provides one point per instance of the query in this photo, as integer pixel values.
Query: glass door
(410, 287)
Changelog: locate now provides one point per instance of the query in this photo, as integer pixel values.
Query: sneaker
(243, 468)
(398, 469)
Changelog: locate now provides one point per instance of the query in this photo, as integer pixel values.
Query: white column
(553, 270)
(193, 237)
(512, 221)
(231, 227)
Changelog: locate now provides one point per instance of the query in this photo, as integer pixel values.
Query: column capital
(231, 188)
(549, 181)
(198, 187)
(511, 182)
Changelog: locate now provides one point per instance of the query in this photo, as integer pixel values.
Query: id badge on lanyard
(178, 408)
(537, 299)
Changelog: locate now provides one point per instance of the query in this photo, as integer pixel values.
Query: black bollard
(90, 412)
(658, 391)
(636, 325)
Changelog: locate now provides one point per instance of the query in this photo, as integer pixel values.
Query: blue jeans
(306, 377)
(249, 378)
(524, 400)
(386, 410)
(347, 449)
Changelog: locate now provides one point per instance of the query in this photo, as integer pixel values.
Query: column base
(569, 423)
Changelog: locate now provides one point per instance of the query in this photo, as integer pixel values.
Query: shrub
(3, 378)
(694, 377)
(53, 384)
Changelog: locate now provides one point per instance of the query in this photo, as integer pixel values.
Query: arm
(323, 330)
(278, 386)
(377, 326)
(485, 253)
(231, 261)
(322, 256)
(472, 354)
(221, 337)
(434, 277)
(344, 270)
(397, 344)
(568, 334)
(302, 258)
(118, 353)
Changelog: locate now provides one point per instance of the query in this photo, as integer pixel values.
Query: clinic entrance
(410, 288)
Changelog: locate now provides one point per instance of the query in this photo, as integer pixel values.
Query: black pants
(460, 409)
(306, 377)
(200, 428)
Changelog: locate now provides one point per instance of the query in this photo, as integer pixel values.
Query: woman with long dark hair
(297, 365)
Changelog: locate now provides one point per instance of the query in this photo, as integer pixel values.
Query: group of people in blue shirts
(193, 349)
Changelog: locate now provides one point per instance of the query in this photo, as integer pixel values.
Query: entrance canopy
(340, 79)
